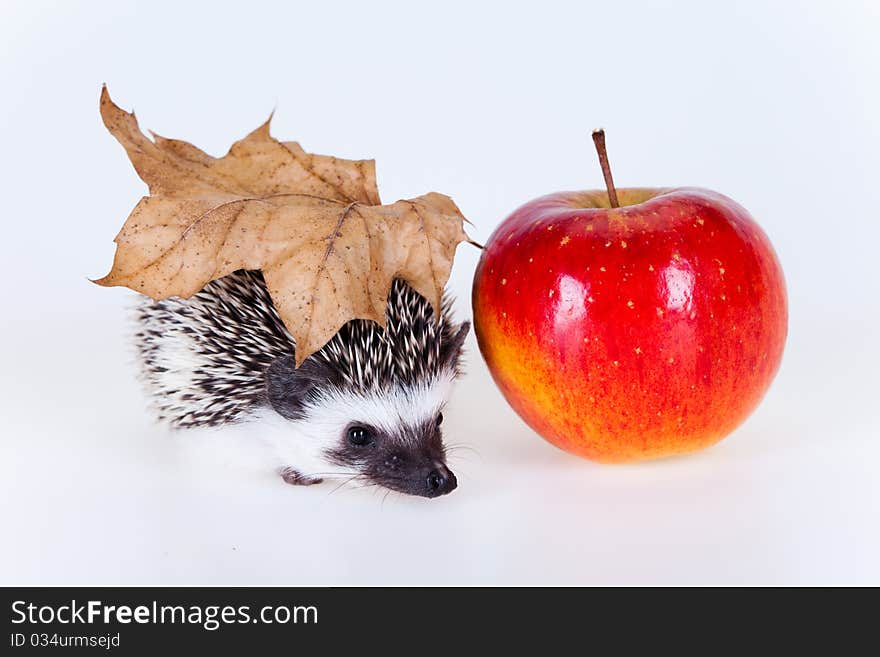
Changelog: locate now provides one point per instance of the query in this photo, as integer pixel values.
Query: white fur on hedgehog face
(302, 444)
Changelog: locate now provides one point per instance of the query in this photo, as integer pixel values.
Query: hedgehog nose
(441, 481)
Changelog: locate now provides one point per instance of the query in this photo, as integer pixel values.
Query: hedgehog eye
(360, 436)
(439, 419)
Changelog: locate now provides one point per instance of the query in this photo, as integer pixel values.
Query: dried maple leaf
(312, 223)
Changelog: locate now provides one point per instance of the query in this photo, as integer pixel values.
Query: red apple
(635, 332)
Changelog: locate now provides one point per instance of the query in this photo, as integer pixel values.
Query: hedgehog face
(388, 435)
(391, 438)
(411, 459)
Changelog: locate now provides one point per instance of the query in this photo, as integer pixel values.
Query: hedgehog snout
(440, 481)
(413, 473)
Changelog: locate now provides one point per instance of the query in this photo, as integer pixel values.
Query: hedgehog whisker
(346, 481)
(385, 497)
(457, 448)
(343, 473)
(460, 447)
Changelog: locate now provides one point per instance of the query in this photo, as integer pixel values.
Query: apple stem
(599, 140)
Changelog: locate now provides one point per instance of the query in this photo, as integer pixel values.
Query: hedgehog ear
(288, 387)
(450, 350)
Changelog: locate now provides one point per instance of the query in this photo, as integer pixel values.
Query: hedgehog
(367, 406)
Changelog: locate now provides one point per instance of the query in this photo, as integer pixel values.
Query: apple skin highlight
(631, 333)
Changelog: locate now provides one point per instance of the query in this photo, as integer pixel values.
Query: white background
(774, 104)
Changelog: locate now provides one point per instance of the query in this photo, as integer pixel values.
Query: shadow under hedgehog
(367, 406)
